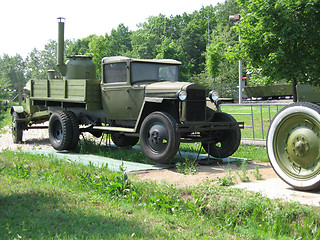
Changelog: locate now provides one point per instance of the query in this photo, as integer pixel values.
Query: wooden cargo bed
(82, 92)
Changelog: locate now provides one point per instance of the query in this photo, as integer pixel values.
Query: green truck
(136, 99)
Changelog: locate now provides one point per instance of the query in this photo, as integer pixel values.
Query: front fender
(18, 109)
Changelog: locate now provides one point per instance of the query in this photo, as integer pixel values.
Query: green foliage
(222, 71)
(257, 173)
(12, 70)
(187, 166)
(227, 180)
(243, 175)
(281, 38)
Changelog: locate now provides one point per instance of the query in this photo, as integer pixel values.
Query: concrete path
(112, 164)
(276, 188)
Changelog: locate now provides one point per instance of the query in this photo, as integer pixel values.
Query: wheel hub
(158, 137)
(303, 147)
(155, 137)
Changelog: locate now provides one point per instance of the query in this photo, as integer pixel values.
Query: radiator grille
(196, 105)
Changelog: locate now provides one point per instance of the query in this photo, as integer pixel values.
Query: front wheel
(293, 145)
(158, 137)
(16, 128)
(221, 143)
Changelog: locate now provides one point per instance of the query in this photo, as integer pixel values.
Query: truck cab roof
(116, 59)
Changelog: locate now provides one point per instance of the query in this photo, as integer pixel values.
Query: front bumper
(208, 126)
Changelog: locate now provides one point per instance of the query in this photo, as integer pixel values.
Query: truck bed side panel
(86, 91)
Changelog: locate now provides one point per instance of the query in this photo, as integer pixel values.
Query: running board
(113, 129)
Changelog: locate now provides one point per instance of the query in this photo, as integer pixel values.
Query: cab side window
(115, 73)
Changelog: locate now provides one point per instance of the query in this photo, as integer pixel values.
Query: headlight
(213, 95)
(182, 95)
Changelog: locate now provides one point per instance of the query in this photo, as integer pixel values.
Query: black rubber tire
(60, 131)
(159, 139)
(16, 128)
(75, 130)
(295, 124)
(222, 143)
(121, 140)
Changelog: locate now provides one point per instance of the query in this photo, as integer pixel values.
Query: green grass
(5, 119)
(44, 198)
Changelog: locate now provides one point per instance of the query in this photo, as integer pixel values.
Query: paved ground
(276, 188)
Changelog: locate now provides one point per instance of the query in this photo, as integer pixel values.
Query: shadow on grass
(44, 216)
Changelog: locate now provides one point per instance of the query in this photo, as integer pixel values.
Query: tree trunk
(294, 90)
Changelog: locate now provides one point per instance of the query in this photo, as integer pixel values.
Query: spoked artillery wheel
(293, 145)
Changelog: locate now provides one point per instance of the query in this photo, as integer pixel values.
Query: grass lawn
(44, 198)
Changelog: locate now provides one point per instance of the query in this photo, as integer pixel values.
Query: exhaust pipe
(60, 51)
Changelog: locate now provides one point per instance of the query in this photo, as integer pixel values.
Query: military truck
(293, 140)
(136, 99)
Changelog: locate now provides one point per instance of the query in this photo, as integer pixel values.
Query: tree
(194, 38)
(222, 71)
(281, 38)
(170, 49)
(80, 46)
(12, 70)
(12, 73)
(120, 41)
(98, 48)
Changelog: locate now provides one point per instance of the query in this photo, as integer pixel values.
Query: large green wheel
(293, 145)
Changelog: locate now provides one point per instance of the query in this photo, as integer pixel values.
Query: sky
(25, 25)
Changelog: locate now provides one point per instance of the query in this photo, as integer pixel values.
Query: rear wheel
(222, 143)
(293, 145)
(60, 131)
(16, 128)
(121, 140)
(75, 130)
(158, 137)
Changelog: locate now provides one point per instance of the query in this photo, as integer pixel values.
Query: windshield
(154, 72)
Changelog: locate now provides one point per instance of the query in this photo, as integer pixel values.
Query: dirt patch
(206, 173)
(38, 139)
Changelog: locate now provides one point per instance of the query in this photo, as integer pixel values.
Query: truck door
(120, 100)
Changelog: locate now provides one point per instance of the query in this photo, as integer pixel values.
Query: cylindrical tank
(80, 67)
(51, 74)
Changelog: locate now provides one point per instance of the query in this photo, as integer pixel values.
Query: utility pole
(236, 18)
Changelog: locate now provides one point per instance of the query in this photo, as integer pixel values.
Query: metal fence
(256, 116)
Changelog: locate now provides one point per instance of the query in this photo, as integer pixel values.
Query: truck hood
(168, 89)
